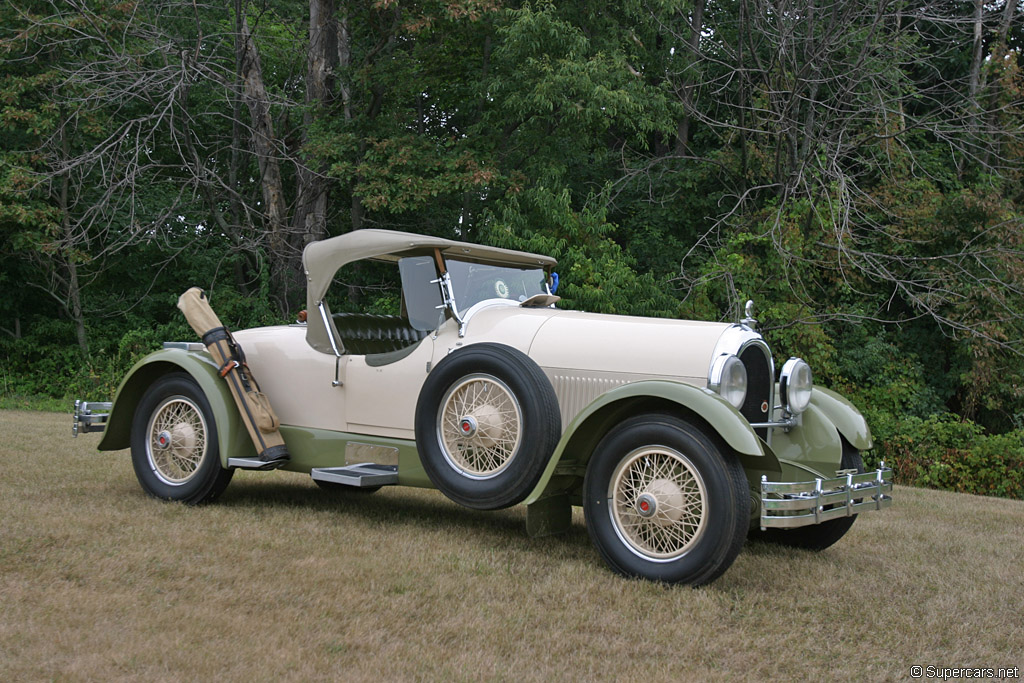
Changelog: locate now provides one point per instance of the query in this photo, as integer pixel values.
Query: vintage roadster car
(674, 436)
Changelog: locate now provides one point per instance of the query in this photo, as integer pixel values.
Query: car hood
(652, 347)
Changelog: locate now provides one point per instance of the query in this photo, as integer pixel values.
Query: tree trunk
(742, 99)
(1004, 25)
(344, 46)
(978, 52)
(74, 294)
(696, 26)
(236, 208)
(310, 220)
(266, 148)
(999, 51)
(973, 86)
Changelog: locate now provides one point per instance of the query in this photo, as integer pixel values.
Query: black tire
(818, 536)
(512, 425)
(662, 502)
(175, 450)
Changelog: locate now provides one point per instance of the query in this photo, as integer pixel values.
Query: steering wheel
(481, 285)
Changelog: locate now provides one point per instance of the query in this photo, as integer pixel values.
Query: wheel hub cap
(468, 426)
(646, 505)
(488, 425)
(669, 502)
(184, 439)
(163, 440)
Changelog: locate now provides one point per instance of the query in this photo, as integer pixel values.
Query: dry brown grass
(282, 581)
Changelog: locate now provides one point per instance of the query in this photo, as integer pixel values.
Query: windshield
(474, 282)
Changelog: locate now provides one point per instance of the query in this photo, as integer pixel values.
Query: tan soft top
(321, 260)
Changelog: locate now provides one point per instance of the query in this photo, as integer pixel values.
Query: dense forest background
(854, 168)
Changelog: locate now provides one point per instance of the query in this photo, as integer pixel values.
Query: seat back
(366, 333)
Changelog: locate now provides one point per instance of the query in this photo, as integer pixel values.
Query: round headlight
(728, 378)
(795, 385)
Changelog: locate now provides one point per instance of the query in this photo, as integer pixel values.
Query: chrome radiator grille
(758, 405)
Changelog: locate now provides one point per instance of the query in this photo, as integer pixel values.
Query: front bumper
(787, 505)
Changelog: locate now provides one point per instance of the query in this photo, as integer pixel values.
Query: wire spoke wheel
(658, 503)
(480, 426)
(176, 440)
(487, 423)
(664, 503)
(175, 449)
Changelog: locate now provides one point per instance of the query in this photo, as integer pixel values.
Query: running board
(363, 475)
(255, 463)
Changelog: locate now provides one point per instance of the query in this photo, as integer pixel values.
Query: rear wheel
(175, 451)
(662, 502)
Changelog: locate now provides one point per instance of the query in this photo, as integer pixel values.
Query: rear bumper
(86, 418)
(786, 505)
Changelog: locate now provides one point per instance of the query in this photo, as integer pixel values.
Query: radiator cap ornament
(748, 310)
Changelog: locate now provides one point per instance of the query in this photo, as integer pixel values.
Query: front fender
(612, 407)
(845, 416)
(231, 433)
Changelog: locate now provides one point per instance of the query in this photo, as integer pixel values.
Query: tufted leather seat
(364, 333)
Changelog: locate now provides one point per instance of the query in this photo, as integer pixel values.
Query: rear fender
(701, 406)
(231, 433)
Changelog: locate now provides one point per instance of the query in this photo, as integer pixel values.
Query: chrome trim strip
(327, 324)
(735, 340)
(185, 346)
(334, 345)
(358, 453)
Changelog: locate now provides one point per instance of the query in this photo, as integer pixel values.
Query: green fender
(231, 433)
(811, 450)
(845, 416)
(609, 409)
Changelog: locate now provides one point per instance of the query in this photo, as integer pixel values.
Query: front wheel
(662, 502)
(175, 452)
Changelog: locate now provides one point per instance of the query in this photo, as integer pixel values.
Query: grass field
(282, 581)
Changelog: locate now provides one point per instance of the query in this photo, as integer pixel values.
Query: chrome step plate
(362, 475)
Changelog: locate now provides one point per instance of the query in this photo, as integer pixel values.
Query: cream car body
(639, 420)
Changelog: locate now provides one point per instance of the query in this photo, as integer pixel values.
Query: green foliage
(834, 170)
(595, 274)
(889, 384)
(944, 452)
